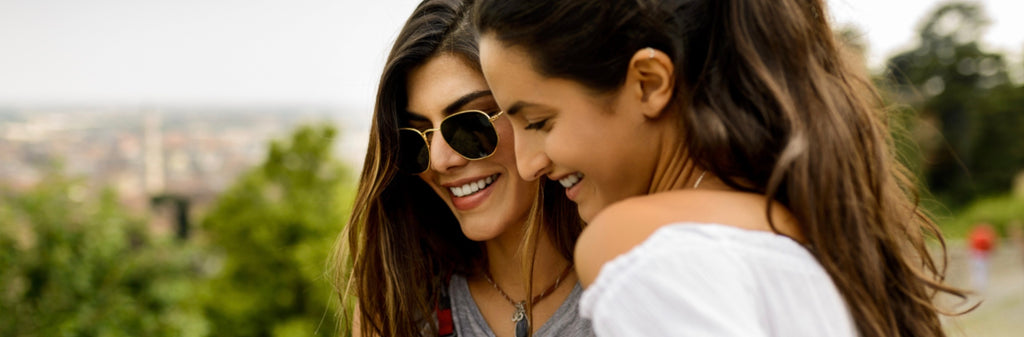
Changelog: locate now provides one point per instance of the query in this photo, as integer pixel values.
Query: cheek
(573, 146)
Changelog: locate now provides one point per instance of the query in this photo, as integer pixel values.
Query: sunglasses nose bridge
(427, 132)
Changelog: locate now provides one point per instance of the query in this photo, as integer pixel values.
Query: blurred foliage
(967, 117)
(999, 211)
(271, 234)
(72, 264)
(77, 264)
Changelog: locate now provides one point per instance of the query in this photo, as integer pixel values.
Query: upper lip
(560, 176)
(460, 182)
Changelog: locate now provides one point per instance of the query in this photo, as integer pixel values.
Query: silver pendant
(519, 318)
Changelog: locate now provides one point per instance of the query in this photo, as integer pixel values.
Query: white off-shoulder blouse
(693, 279)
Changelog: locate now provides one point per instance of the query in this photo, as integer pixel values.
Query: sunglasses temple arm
(495, 117)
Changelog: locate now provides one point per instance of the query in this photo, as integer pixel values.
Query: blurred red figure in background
(981, 239)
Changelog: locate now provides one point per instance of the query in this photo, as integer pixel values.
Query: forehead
(510, 72)
(440, 81)
(507, 68)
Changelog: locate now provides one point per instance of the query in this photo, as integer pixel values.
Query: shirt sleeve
(665, 288)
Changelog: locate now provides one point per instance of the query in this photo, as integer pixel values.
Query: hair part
(769, 105)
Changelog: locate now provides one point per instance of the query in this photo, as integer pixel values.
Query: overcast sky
(323, 52)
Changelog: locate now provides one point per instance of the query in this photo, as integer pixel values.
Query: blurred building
(192, 154)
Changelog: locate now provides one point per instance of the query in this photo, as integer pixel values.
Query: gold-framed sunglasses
(470, 133)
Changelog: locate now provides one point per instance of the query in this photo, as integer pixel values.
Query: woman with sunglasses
(736, 173)
(445, 238)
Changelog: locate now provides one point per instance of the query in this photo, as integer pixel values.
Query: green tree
(272, 233)
(999, 143)
(964, 94)
(75, 264)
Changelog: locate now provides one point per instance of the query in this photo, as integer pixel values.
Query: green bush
(997, 211)
(76, 265)
(270, 236)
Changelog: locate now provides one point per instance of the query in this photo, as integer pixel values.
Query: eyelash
(537, 125)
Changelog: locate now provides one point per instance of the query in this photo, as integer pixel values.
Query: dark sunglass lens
(413, 156)
(470, 134)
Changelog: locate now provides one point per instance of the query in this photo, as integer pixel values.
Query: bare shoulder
(624, 225)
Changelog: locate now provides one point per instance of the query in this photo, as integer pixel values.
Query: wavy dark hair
(402, 240)
(767, 104)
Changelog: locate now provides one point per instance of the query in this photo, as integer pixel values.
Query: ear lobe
(654, 76)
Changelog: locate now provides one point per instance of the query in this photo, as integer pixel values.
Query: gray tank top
(566, 322)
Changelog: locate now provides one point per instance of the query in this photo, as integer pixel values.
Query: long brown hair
(402, 240)
(769, 105)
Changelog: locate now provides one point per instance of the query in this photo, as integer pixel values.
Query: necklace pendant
(519, 317)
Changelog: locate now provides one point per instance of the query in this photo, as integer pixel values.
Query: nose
(442, 157)
(531, 160)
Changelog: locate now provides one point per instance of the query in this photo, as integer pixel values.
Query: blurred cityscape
(189, 152)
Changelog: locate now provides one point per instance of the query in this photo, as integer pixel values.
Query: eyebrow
(519, 105)
(455, 106)
(465, 99)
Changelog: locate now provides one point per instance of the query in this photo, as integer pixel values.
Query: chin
(592, 208)
(587, 213)
(479, 238)
(478, 233)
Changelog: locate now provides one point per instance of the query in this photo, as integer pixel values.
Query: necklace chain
(700, 178)
(535, 299)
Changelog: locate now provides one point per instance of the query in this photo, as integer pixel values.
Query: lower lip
(473, 200)
(573, 191)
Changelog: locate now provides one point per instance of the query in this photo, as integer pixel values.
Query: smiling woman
(445, 237)
(735, 170)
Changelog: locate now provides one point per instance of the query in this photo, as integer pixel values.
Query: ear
(651, 79)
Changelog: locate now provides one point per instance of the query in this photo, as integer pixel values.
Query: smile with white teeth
(571, 180)
(472, 187)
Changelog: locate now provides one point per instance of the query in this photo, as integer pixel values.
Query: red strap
(444, 322)
(445, 325)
